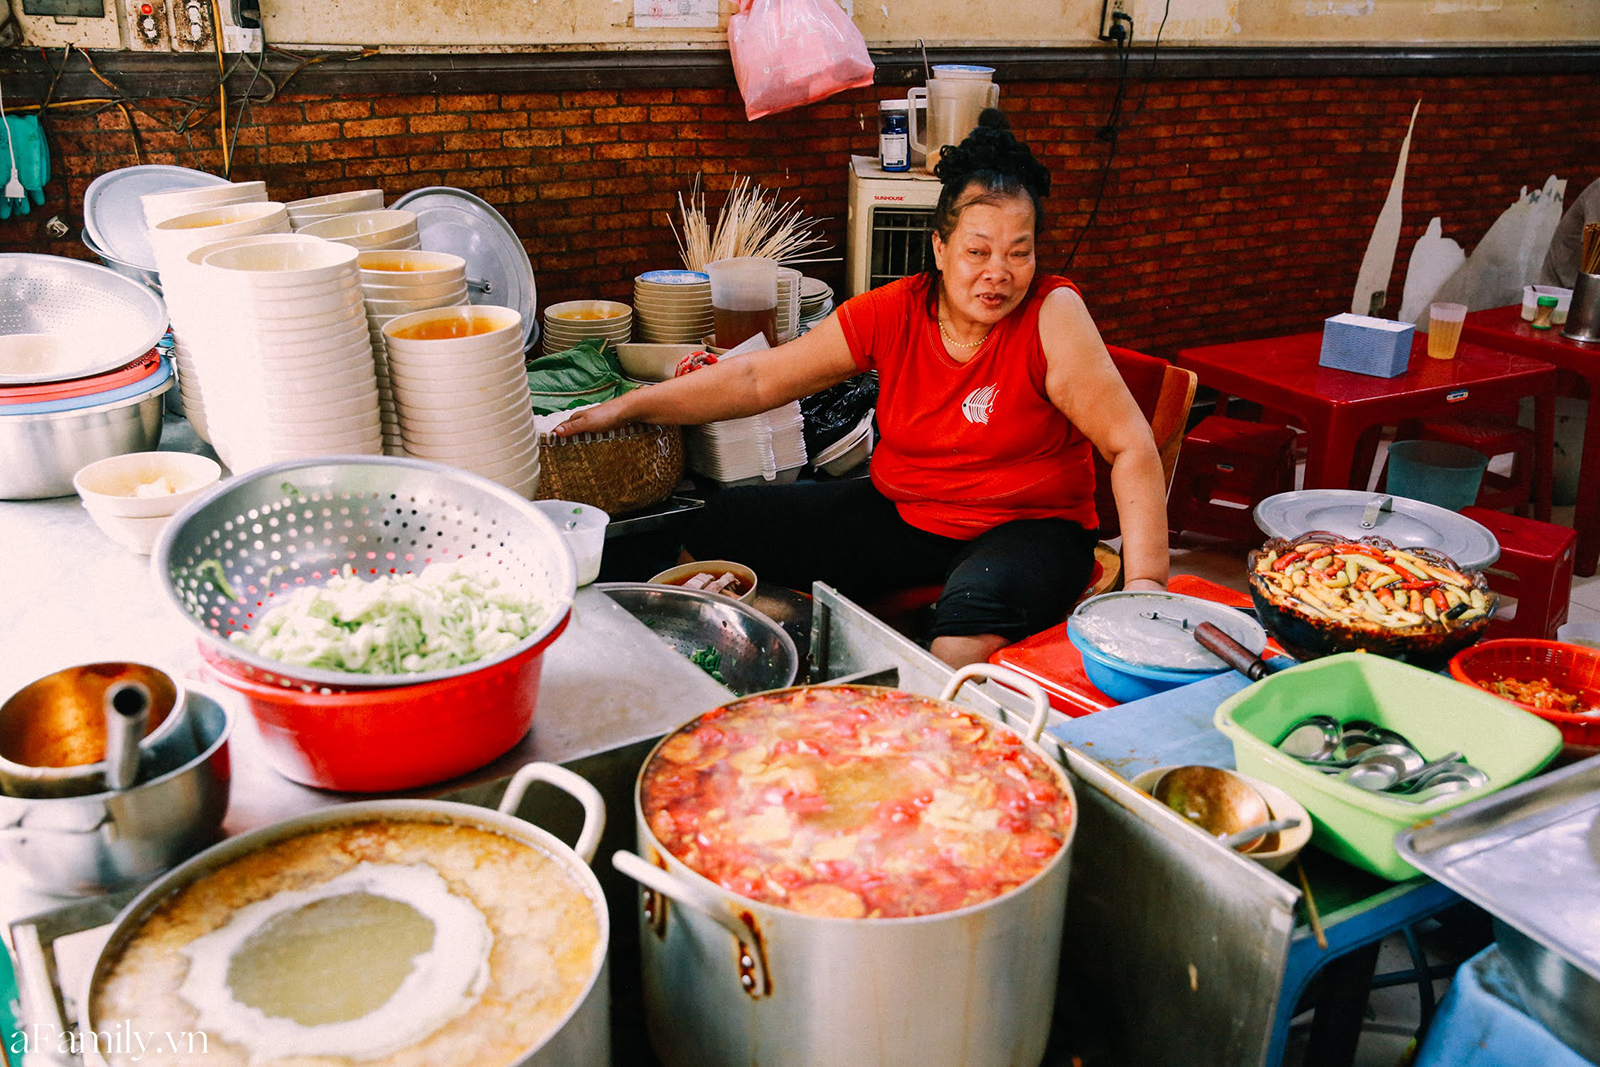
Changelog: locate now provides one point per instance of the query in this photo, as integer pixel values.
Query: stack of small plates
(283, 351)
(173, 239)
(816, 302)
(769, 447)
(303, 213)
(462, 391)
(849, 451)
(368, 230)
(399, 283)
(578, 320)
(673, 306)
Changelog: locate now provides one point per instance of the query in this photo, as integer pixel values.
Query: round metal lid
(1353, 513)
(498, 269)
(113, 213)
(1120, 625)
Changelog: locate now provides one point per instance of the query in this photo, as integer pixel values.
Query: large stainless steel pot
(581, 1040)
(732, 981)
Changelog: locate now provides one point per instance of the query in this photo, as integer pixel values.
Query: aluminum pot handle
(1011, 680)
(752, 958)
(594, 808)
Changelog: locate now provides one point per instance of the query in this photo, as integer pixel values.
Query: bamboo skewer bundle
(750, 223)
(1591, 249)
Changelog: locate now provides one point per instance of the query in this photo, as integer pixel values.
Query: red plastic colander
(1570, 667)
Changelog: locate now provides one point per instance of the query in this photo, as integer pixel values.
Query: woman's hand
(599, 419)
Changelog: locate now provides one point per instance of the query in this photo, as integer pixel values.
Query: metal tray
(113, 212)
(1528, 855)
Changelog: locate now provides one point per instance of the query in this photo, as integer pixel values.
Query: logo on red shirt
(978, 404)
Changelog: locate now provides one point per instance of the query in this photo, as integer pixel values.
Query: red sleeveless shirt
(967, 446)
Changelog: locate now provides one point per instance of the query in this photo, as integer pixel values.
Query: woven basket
(617, 472)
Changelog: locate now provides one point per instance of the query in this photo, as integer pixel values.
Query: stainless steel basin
(755, 653)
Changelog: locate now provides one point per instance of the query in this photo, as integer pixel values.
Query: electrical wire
(13, 186)
(222, 89)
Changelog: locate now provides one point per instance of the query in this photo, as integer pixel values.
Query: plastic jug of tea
(955, 98)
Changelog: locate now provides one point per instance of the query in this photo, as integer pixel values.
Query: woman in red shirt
(994, 388)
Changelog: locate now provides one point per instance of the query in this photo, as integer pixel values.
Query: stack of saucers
(462, 391)
(159, 207)
(285, 331)
(368, 230)
(399, 283)
(761, 448)
(172, 239)
(672, 306)
(816, 302)
(578, 320)
(303, 213)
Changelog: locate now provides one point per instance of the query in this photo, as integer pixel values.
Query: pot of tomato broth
(852, 874)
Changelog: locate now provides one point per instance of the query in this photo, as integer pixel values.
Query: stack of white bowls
(462, 390)
(159, 207)
(767, 447)
(672, 306)
(284, 351)
(172, 240)
(578, 320)
(368, 230)
(303, 213)
(399, 283)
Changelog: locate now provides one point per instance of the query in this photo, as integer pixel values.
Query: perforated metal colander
(232, 554)
(110, 320)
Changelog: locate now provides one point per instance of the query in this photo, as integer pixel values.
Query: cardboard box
(1366, 345)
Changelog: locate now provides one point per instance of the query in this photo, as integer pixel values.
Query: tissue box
(1366, 345)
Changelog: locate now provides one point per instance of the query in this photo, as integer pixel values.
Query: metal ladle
(1251, 836)
(127, 713)
(1216, 800)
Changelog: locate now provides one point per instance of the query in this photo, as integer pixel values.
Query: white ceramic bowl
(498, 323)
(378, 223)
(1279, 804)
(412, 266)
(477, 416)
(393, 306)
(412, 290)
(652, 363)
(296, 262)
(684, 571)
(509, 473)
(111, 485)
(160, 206)
(587, 311)
(337, 203)
(131, 532)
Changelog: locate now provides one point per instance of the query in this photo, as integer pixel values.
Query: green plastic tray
(1438, 715)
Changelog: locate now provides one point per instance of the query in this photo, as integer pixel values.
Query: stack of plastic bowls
(159, 207)
(286, 333)
(462, 392)
(578, 320)
(172, 239)
(673, 307)
(399, 283)
(368, 230)
(303, 213)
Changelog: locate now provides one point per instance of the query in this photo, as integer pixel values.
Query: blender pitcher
(955, 97)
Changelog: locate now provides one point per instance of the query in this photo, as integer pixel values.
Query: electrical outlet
(191, 25)
(147, 22)
(1116, 20)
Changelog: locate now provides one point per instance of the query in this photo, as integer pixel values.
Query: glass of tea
(1444, 329)
(744, 299)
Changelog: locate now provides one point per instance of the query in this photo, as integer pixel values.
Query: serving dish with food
(809, 852)
(1319, 594)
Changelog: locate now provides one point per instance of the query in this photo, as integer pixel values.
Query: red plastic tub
(1525, 659)
(381, 740)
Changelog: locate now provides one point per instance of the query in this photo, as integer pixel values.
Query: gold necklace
(962, 344)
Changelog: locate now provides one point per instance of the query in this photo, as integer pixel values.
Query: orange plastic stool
(1535, 566)
(1493, 437)
(1225, 468)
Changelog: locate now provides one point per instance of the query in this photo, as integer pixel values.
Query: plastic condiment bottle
(894, 143)
(1541, 317)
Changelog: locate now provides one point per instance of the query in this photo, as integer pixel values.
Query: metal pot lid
(113, 214)
(455, 221)
(1354, 514)
(1121, 626)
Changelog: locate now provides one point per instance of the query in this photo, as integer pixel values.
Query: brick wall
(1234, 207)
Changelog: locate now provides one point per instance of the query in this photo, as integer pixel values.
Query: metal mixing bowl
(40, 453)
(756, 653)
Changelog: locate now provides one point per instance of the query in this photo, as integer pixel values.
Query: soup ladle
(127, 711)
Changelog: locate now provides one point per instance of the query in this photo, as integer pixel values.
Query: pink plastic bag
(789, 53)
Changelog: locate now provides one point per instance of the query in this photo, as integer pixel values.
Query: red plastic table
(1503, 329)
(1335, 406)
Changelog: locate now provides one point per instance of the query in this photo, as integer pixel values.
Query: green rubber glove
(33, 164)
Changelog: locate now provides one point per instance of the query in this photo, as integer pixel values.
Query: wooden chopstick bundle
(1591, 248)
(751, 223)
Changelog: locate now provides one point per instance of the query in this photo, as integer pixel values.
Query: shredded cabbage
(449, 614)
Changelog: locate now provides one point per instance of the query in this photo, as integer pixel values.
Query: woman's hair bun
(992, 149)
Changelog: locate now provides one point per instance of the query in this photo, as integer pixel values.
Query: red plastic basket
(380, 740)
(127, 374)
(1523, 659)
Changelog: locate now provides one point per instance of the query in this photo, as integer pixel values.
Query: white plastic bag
(1510, 254)
(789, 53)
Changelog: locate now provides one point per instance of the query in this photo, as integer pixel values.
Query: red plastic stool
(1493, 437)
(1535, 566)
(1225, 467)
